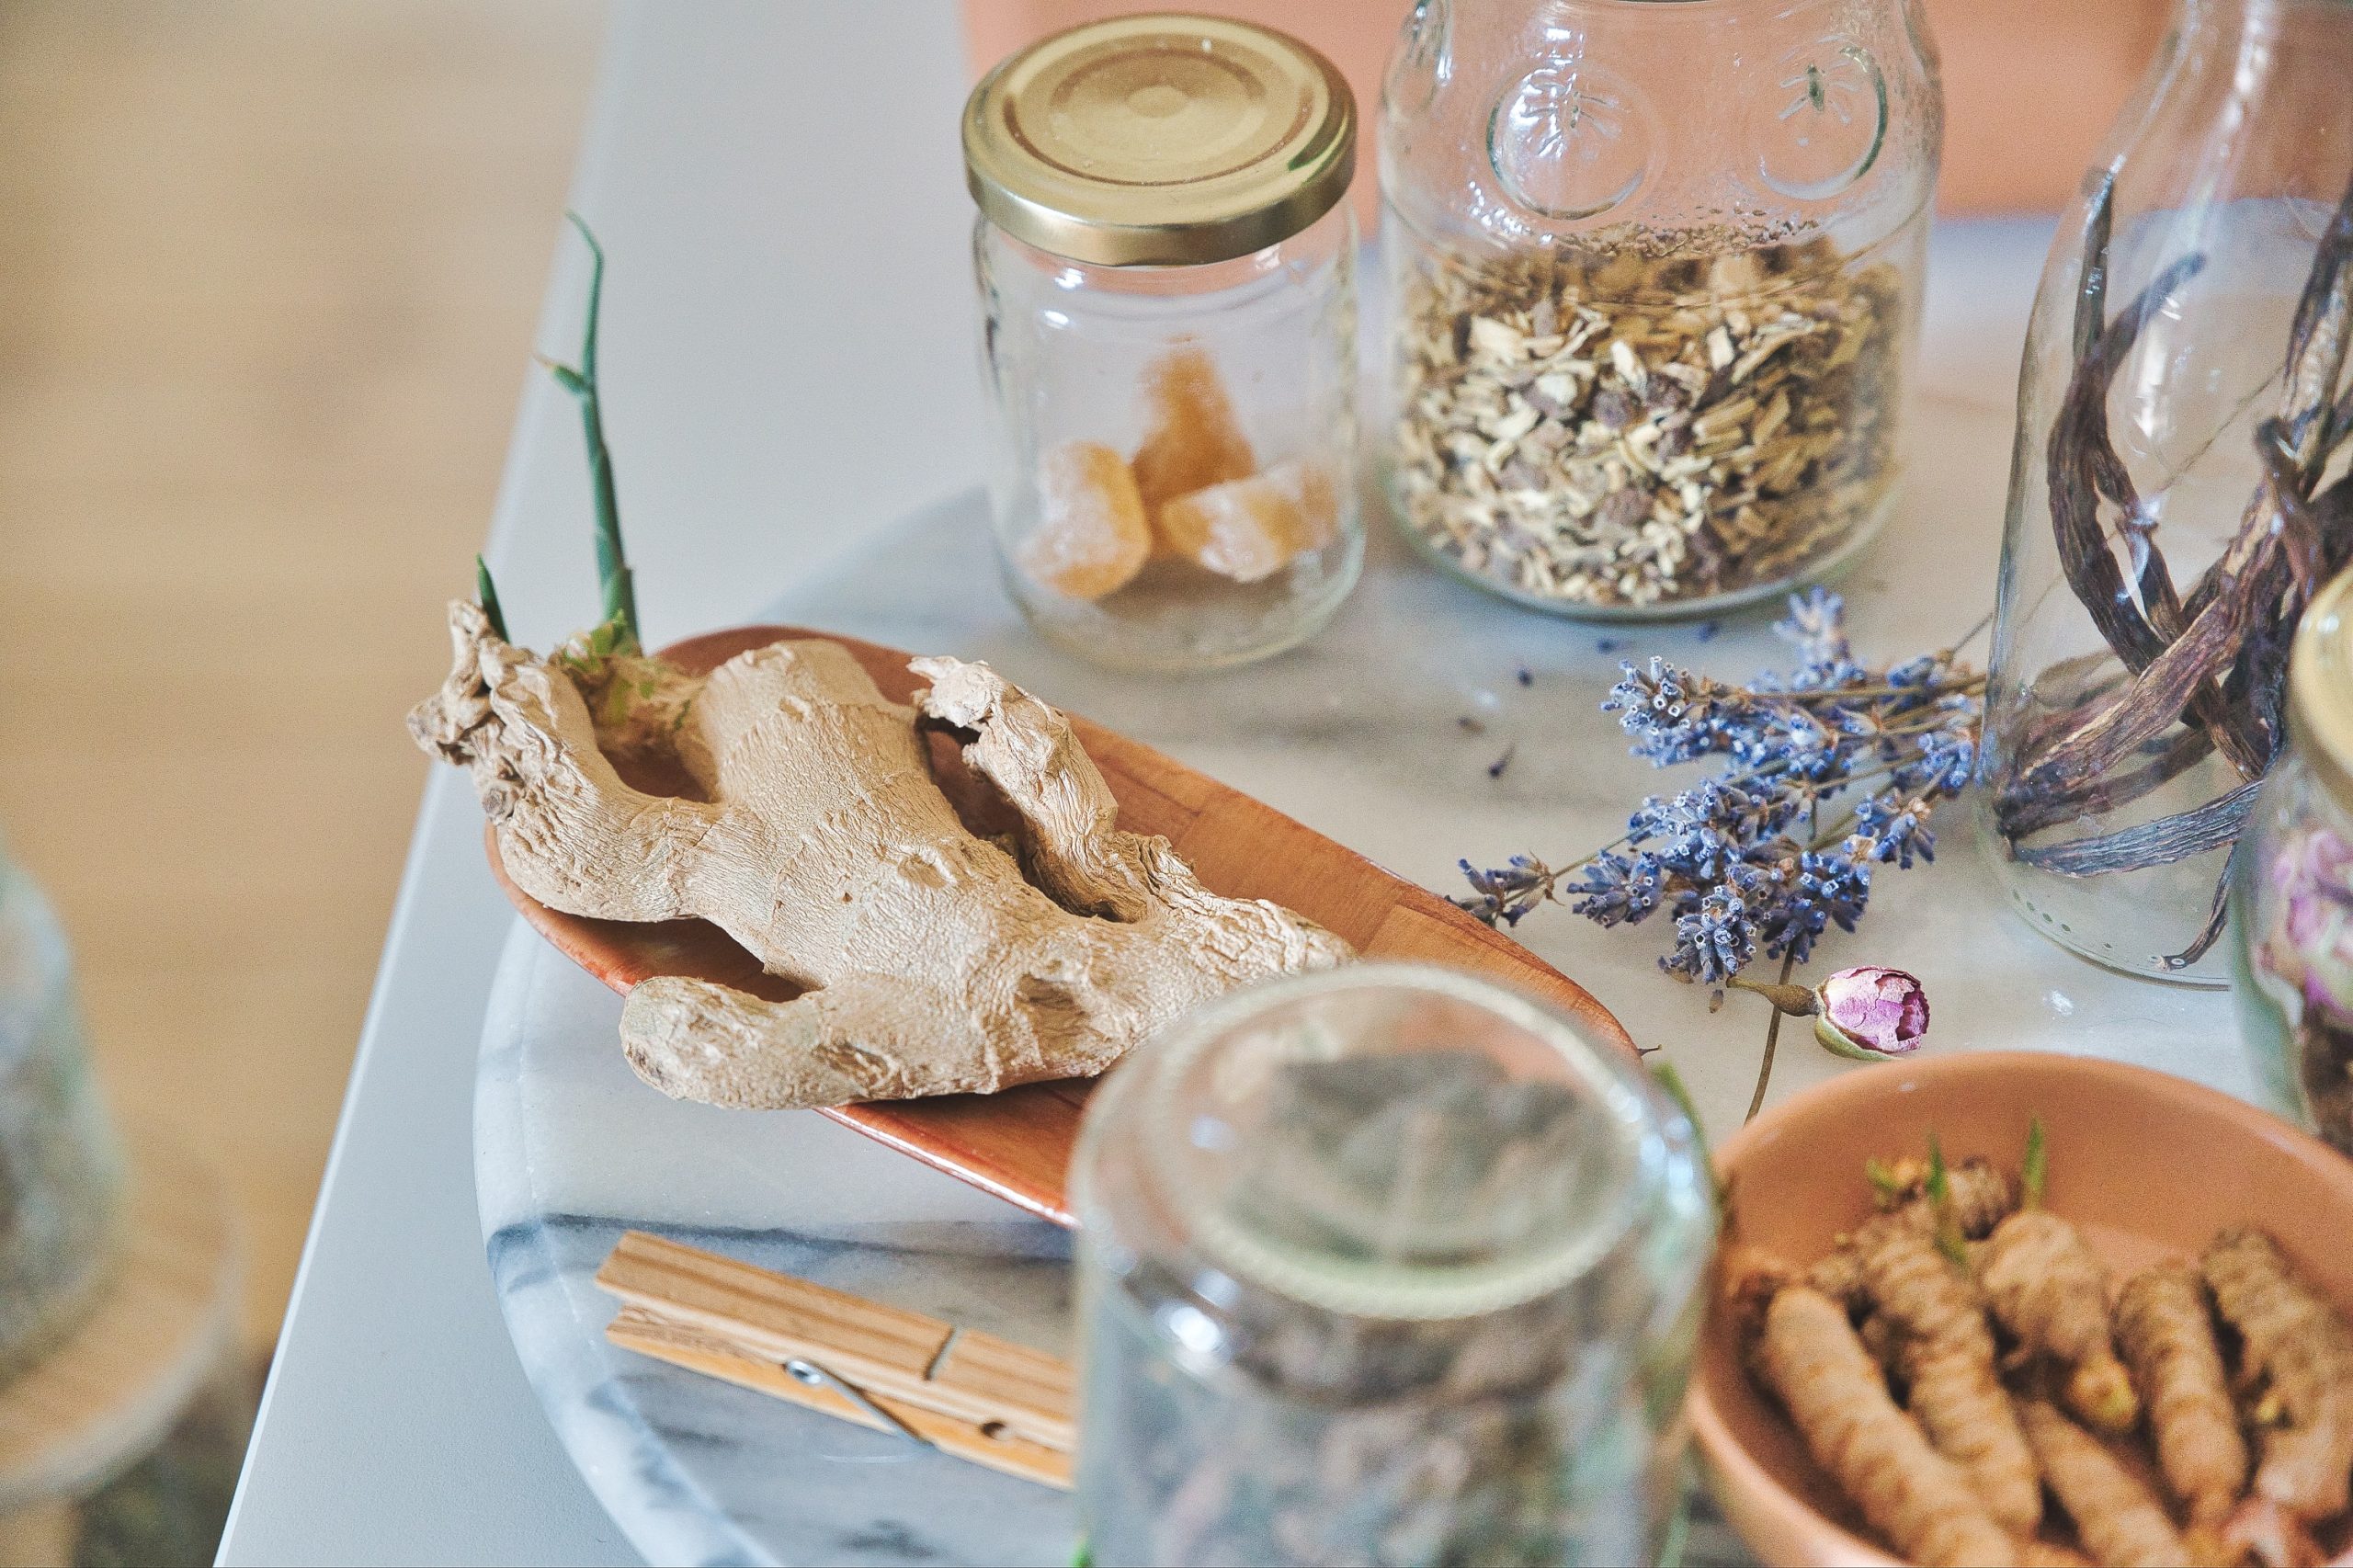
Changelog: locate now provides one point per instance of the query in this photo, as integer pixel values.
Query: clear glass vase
(2176, 491)
(1656, 274)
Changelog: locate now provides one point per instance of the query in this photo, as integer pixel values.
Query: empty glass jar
(1383, 1264)
(1656, 270)
(1166, 267)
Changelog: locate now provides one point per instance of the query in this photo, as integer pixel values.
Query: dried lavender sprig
(1741, 861)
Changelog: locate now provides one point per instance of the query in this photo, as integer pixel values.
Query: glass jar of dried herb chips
(1383, 1264)
(2177, 492)
(2291, 895)
(1167, 272)
(1654, 271)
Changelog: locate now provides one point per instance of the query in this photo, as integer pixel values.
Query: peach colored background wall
(2029, 85)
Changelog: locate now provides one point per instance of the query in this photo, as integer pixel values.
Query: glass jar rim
(1447, 1293)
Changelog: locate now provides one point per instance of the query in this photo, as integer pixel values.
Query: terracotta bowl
(2150, 1166)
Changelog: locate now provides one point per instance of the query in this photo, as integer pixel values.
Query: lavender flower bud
(1870, 1013)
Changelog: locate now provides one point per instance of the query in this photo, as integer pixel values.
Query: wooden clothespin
(959, 1390)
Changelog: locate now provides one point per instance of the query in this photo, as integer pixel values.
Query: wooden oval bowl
(2147, 1164)
(1017, 1143)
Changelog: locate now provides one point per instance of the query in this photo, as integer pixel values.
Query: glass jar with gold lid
(2292, 886)
(1165, 266)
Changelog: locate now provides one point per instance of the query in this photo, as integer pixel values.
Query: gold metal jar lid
(1160, 139)
(2320, 687)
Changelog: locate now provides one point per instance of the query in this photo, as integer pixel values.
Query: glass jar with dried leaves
(1656, 270)
(1166, 266)
(2291, 896)
(1383, 1264)
(2179, 490)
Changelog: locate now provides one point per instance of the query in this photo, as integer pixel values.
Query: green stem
(612, 562)
(487, 595)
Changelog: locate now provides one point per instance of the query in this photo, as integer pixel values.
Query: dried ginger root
(1945, 1353)
(935, 963)
(2168, 1339)
(2049, 1291)
(1807, 1354)
(2303, 1351)
(1192, 441)
(2119, 1521)
(1981, 1198)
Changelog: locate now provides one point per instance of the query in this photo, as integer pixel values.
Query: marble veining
(1360, 735)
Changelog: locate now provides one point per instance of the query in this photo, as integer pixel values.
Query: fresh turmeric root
(1979, 1196)
(2119, 1521)
(2303, 1352)
(2050, 1554)
(1945, 1352)
(2049, 1290)
(1807, 1354)
(2168, 1339)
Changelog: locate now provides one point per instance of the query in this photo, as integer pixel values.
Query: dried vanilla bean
(2214, 659)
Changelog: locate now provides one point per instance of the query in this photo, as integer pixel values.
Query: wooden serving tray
(1017, 1143)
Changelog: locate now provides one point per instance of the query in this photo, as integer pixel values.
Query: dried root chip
(1250, 528)
(1946, 1353)
(1808, 1355)
(2049, 1290)
(1092, 537)
(2303, 1352)
(2119, 1521)
(2168, 1339)
(1191, 440)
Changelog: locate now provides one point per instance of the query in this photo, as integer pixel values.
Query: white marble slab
(1357, 735)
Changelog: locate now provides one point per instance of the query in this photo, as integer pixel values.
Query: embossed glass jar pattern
(1654, 265)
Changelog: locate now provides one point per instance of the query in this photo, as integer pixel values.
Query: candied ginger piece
(1091, 536)
(1251, 528)
(1191, 441)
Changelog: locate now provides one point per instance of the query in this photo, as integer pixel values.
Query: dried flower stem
(1772, 1043)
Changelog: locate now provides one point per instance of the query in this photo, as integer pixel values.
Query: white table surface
(787, 368)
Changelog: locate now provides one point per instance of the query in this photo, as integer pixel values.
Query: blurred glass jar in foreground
(61, 1172)
(1388, 1266)
(2292, 886)
(1165, 266)
(1656, 270)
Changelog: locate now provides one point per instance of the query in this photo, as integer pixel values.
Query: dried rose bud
(1868, 1014)
(1871, 1013)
